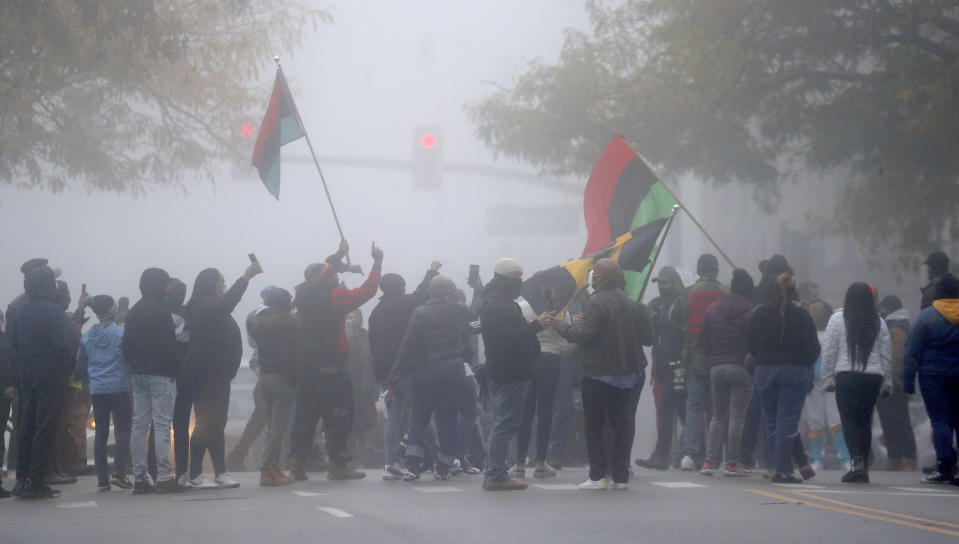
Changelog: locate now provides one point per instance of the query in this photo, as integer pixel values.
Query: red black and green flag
(625, 197)
(279, 127)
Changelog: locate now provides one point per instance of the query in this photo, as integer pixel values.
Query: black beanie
(742, 283)
(278, 298)
(707, 264)
(103, 306)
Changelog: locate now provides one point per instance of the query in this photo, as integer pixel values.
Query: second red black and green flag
(280, 127)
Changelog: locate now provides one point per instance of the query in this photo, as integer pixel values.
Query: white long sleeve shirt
(835, 353)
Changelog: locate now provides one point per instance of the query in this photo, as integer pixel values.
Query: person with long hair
(212, 359)
(783, 339)
(857, 365)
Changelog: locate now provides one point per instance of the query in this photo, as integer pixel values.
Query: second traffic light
(428, 158)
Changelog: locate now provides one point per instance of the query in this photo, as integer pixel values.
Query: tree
(759, 93)
(122, 94)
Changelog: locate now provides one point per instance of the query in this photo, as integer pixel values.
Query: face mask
(666, 291)
(512, 286)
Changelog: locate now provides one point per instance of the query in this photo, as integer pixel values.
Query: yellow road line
(876, 510)
(854, 513)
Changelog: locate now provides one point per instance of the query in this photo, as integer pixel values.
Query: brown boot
(508, 485)
(339, 471)
(296, 468)
(280, 476)
(273, 478)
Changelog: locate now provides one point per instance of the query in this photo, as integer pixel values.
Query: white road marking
(438, 489)
(336, 512)
(676, 485)
(84, 504)
(800, 486)
(894, 494)
(922, 490)
(309, 494)
(555, 487)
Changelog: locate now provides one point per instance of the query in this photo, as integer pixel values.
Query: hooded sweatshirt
(836, 359)
(933, 344)
(510, 341)
(215, 346)
(39, 335)
(149, 339)
(722, 334)
(101, 359)
(388, 323)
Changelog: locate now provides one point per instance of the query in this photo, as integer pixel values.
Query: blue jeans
(399, 396)
(153, 399)
(697, 399)
(782, 392)
(436, 391)
(120, 406)
(941, 396)
(510, 398)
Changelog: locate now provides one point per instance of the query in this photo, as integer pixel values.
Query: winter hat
(278, 298)
(947, 287)
(742, 283)
(937, 261)
(707, 264)
(314, 270)
(266, 290)
(33, 263)
(777, 265)
(392, 284)
(508, 267)
(104, 306)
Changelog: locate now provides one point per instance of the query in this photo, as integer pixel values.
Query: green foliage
(123, 94)
(759, 92)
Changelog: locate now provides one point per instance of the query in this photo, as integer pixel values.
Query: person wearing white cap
(511, 347)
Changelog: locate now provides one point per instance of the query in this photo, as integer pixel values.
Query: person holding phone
(212, 359)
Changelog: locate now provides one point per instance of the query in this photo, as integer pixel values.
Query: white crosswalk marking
(800, 486)
(84, 504)
(678, 485)
(438, 489)
(309, 494)
(336, 512)
(921, 489)
(555, 487)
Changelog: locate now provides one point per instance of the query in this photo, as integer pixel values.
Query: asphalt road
(668, 506)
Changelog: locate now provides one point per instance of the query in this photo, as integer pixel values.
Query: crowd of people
(733, 371)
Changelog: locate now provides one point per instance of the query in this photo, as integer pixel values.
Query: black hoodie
(510, 341)
(39, 334)
(149, 339)
(388, 323)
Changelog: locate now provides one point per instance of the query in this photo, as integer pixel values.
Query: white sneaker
(392, 472)
(817, 466)
(687, 463)
(591, 485)
(200, 482)
(619, 486)
(223, 481)
(846, 466)
(184, 480)
(518, 471)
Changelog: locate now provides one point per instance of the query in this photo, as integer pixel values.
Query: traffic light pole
(299, 121)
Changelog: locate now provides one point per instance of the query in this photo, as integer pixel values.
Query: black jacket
(275, 333)
(795, 344)
(39, 334)
(215, 346)
(438, 332)
(510, 341)
(149, 338)
(388, 323)
(612, 334)
(668, 332)
(8, 374)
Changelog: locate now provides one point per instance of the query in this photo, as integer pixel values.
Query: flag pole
(685, 209)
(299, 120)
(659, 247)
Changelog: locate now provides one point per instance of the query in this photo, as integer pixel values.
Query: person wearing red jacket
(325, 389)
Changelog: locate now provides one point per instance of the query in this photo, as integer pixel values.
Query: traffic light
(427, 158)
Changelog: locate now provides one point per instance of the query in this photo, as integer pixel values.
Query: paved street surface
(668, 506)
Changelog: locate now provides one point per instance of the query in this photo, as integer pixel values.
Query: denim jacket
(101, 358)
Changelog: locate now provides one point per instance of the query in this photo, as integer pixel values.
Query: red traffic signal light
(246, 130)
(428, 140)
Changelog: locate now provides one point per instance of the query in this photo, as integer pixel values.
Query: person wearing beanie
(211, 362)
(150, 350)
(100, 363)
(782, 337)
(272, 328)
(932, 355)
(722, 337)
(511, 347)
(669, 390)
(325, 389)
(611, 332)
(388, 322)
(692, 306)
(39, 338)
(236, 459)
(894, 410)
(937, 264)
